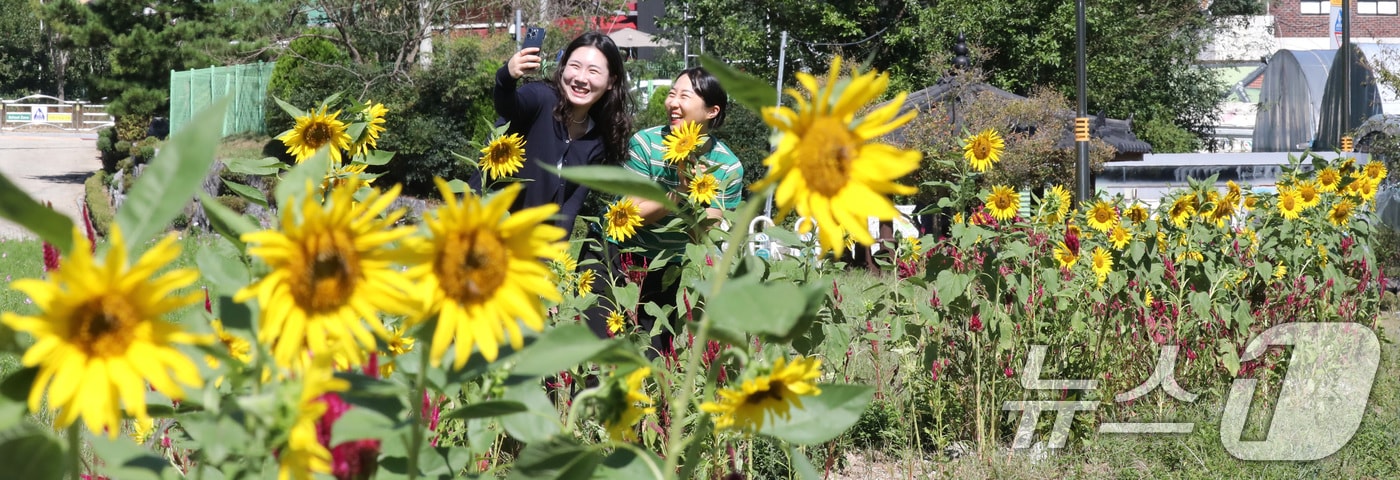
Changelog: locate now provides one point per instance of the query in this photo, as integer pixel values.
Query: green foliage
(99, 207)
(23, 58)
(747, 136)
(108, 149)
(172, 179)
(1166, 137)
(654, 112)
(1141, 56)
(311, 69)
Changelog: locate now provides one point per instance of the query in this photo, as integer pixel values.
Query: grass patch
(242, 147)
(18, 259)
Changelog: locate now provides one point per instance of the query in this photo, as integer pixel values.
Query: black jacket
(530, 111)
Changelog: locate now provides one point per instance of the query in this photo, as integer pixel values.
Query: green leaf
(804, 467)
(488, 408)
(235, 315)
(378, 157)
(536, 424)
(747, 89)
(121, 458)
(172, 178)
(49, 225)
(29, 452)
(227, 222)
(260, 166)
(748, 305)
(558, 349)
(287, 107)
(558, 458)
(1229, 356)
(616, 180)
(16, 386)
(630, 464)
(360, 423)
(221, 268)
(249, 193)
(306, 175)
(822, 417)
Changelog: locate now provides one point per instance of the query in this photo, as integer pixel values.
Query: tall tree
(22, 61)
(141, 42)
(1141, 53)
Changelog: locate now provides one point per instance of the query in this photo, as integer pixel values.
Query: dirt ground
(49, 167)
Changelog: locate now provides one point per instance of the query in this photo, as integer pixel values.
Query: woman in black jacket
(578, 117)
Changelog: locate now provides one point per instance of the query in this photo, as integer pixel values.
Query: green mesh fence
(193, 90)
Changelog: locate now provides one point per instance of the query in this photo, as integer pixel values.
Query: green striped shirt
(646, 157)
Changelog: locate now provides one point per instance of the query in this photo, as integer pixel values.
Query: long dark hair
(709, 90)
(612, 113)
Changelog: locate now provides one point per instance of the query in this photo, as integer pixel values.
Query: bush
(107, 149)
(301, 78)
(1166, 137)
(99, 207)
(445, 108)
(654, 112)
(145, 150)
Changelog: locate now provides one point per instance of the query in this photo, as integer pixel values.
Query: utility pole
(1084, 188)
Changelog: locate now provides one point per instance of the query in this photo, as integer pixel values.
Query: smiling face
(585, 77)
(683, 103)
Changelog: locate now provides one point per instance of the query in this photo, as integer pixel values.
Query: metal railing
(42, 112)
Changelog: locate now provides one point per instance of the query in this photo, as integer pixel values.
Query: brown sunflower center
(825, 154)
(331, 272)
(619, 217)
(472, 266)
(774, 393)
(981, 148)
(316, 134)
(104, 326)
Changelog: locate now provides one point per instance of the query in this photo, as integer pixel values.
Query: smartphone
(534, 37)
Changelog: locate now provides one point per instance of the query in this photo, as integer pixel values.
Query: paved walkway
(48, 167)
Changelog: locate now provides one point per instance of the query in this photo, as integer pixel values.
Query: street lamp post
(1081, 122)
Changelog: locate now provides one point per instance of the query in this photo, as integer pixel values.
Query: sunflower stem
(415, 404)
(75, 450)
(680, 404)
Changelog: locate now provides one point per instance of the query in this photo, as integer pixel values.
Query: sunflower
(749, 407)
(1347, 165)
(1137, 214)
(1375, 171)
(1223, 209)
(332, 273)
(1321, 256)
(622, 219)
(1102, 216)
(1120, 237)
(682, 141)
(983, 150)
(616, 323)
(1308, 195)
(1280, 270)
(238, 347)
(483, 271)
(1341, 212)
(373, 116)
(99, 336)
(620, 428)
(1288, 204)
(1182, 209)
(303, 455)
(1328, 179)
(317, 129)
(142, 429)
(1066, 256)
(913, 248)
(1147, 298)
(1363, 188)
(396, 345)
(1250, 202)
(340, 174)
(703, 190)
(1057, 199)
(1102, 263)
(827, 165)
(503, 156)
(1003, 202)
(1232, 189)
(585, 282)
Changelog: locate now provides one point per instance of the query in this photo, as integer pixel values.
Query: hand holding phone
(534, 38)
